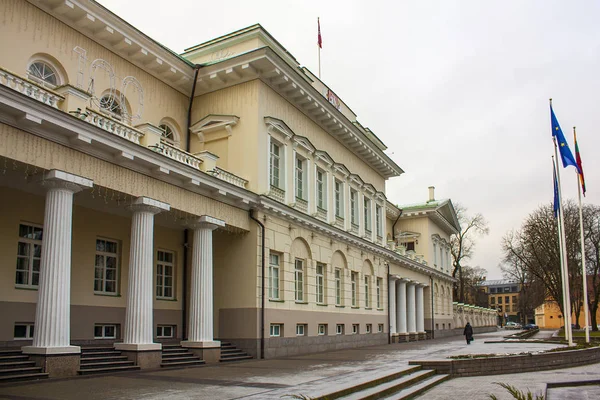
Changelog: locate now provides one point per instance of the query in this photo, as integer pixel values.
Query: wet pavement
(309, 375)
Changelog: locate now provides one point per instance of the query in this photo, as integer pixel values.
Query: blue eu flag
(563, 146)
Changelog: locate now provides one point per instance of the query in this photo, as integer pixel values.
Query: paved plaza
(312, 375)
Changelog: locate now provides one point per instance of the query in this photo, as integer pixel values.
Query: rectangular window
(513, 289)
(23, 331)
(105, 331)
(379, 220)
(506, 299)
(514, 299)
(410, 246)
(507, 308)
(165, 331)
(369, 328)
(367, 293)
(354, 207)
(499, 299)
(299, 279)
(367, 213)
(355, 329)
(321, 189)
(300, 178)
(338, 287)
(507, 290)
(275, 330)
(339, 329)
(274, 276)
(492, 300)
(493, 290)
(441, 258)
(275, 164)
(29, 253)
(379, 287)
(435, 255)
(164, 274)
(339, 199)
(300, 330)
(322, 330)
(105, 280)
(380, 328)
(320, 282)
(353, 278)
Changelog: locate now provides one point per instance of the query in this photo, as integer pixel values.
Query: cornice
(104, 27)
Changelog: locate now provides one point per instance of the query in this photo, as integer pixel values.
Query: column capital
(148, 205)
(206, 222)
(56, 179)
(404, 280)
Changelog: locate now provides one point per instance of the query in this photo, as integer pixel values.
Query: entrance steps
(231, 353)
(16, 366)
(401, 385)
(102, 360)
(173, 355)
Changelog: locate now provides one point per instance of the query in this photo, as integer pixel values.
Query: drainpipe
(394, 226)
(432, 315)
(262, 285)
(186, 232)
(388, 304)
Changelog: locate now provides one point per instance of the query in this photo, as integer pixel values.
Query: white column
(401, 305)
(420, 308)
(52, 315)
(200, 322)
(392, 302)
(411, 316)
(139, 327)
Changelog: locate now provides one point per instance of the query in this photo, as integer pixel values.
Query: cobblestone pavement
(308, 374)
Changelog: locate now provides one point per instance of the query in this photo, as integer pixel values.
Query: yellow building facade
(222, 194)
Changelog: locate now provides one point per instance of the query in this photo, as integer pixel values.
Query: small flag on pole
(579, 164)
(561, 142)
(556, 200)
(319, 40)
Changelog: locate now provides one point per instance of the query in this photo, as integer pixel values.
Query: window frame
(320, 283)
(367, 214)
(29, 330)
(354, 288)
(379, 287)
(30, 257)
(367, 283)
(379, 328)
(322, 330)
(339, 329)
(338, 286)
(321, 183)
(164, 264)
(40, 80)
(273, 328)
(163, 336)
(339, 198)
(104, 327)
(274, 279)
(299, 280)
(301, 329)
(114, 109)
(355, 329)
(378, 220)
(104, 269)
(353, 207)
(300, 177)
(275, 164)
(369, 328)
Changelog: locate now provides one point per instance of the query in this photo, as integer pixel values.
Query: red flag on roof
(579, 163)
(319, 40)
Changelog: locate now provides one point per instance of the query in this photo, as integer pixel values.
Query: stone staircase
(173, 355)
(401, 385)
(16, 366)
(102, 360)
(231, 353)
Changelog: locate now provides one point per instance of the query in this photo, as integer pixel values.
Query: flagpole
(583, 270)
(565, 290)
(319, 61)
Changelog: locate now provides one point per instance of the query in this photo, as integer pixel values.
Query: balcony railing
(301, 204)
(339, 222)
(229, 177)
(108, 124)
(321, 213)
(29, 88)
(177, 154)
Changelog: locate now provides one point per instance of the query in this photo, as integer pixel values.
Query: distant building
(503, 295)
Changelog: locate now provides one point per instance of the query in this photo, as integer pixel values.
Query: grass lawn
(580, 333)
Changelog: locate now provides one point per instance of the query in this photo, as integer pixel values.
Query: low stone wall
(513, 364)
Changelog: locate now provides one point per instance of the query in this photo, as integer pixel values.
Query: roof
(498, 282)
(440, 210)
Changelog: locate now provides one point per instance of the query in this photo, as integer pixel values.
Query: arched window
(44, 74)
(168, 132)
(110, 104)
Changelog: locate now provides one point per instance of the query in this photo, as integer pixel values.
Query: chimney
(431, 194)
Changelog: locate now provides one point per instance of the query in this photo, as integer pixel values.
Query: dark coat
(468, 332)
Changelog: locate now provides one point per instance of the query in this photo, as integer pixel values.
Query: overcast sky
(458, 90)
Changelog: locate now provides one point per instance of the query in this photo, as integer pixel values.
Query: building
(503, 295)
(223, 194)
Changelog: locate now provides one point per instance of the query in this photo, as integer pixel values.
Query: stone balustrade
(111, 125)
(29, 88)
(177, 154)
(477, 316)
(229, 177)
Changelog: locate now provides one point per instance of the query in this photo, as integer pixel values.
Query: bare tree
(591, 225)
(532, 292)
(472, 278)
(463, 244)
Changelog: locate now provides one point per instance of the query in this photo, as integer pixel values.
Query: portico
(407, 316)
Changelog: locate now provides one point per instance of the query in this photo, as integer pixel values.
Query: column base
(145, 356)
(402, 337)
(55, 361)
(209, 351)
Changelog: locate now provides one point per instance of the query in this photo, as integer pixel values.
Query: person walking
(468, 332)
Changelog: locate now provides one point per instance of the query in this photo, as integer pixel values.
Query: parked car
(530, 327)
(512, 325)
